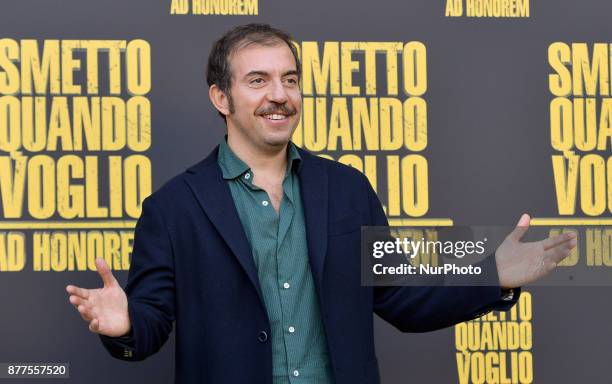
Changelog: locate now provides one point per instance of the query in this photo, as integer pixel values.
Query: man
(254, 252)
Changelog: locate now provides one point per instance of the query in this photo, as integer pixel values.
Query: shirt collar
(232, 166)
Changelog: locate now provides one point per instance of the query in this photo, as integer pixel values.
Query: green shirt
(278, 244)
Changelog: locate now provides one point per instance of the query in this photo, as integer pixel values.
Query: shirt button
(286, 285)
(263, 336)
(247, 176)
(291, 329)
(264, 203)
(296, 373)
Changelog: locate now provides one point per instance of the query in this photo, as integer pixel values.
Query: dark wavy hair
(219, 71)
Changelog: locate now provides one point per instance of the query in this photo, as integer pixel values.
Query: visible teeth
(275, 117)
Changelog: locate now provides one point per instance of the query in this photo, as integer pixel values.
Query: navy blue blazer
(192, 265)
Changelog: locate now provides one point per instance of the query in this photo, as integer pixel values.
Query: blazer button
(262, 337)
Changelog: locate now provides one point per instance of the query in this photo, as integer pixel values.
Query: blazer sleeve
(428, 308)
(150, 289)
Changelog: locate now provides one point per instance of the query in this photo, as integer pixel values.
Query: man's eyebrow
(264, 73)
(256, 73)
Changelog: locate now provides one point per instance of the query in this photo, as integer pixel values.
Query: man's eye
(259, 80)
(292, 81)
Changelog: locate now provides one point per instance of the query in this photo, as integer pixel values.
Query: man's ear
(219, 99)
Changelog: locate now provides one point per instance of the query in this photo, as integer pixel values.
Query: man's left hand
(521, 263)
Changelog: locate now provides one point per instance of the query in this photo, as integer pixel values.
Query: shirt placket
(282, 276)
(286, 284)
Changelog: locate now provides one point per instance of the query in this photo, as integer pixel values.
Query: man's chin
(279, 138)
(277, 142)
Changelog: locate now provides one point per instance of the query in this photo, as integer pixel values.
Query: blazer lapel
(313, 184)
(213, 194)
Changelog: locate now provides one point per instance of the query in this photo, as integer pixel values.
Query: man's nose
(277, 92)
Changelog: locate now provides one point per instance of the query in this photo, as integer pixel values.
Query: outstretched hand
(106, 308)
(521, 263)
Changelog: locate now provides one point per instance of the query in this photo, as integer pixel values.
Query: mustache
(280, 109)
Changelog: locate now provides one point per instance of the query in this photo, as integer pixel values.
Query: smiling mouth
(275, 116)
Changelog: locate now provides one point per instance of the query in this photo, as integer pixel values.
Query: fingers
(104, 271)
(81, 292)
(83, 307)
(76, 300)
(521, 227)
(94, 325)
(557, 240)
(85, 312)
(559, 251)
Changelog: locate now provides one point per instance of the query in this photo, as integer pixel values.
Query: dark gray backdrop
(489, 160)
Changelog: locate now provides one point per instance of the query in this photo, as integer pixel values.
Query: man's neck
(269, 163)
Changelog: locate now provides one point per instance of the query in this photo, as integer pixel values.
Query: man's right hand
(106, 308)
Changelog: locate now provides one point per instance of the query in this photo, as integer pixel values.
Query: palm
(106, 308)
(110, 307)
(522, 263)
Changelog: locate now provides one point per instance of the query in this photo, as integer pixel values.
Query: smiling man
(254, 253)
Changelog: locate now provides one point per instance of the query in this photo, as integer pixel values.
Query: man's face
(265, 94)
